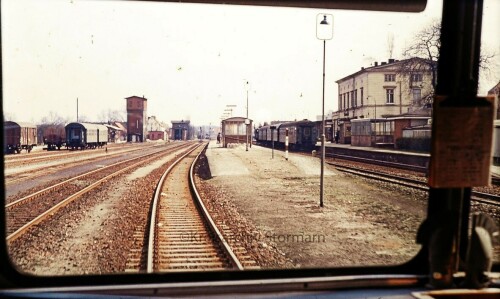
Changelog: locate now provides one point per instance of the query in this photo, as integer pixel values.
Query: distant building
(496, 91)
(136, 119)
(156, 129)
(114, 132)
(383, 91)
(180, 130)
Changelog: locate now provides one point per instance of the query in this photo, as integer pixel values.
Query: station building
(136, 119)
(389, 89)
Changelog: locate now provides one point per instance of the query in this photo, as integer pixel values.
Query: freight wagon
(19, 136)
(54, 136)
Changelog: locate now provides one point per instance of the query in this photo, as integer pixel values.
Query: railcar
(302, 134)
(19, 136)
(454, 259)
(85, 135)
(54, 136)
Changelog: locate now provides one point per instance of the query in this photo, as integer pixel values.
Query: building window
(340, 102)
(361, 95)
(417, 95)
(389, 77)
(389, 95)
(416, 77)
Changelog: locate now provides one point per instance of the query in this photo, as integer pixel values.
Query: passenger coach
(85, 135)
(302, 135)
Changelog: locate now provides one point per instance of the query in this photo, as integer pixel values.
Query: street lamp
(247, 121)
(324, 31)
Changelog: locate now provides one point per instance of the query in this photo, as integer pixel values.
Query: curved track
(182, 235)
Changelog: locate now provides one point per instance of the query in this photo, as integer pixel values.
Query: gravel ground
(274, 203)
(95, 234)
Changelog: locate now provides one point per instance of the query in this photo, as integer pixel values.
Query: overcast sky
(190, 61)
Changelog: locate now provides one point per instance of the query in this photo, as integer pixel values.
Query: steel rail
(85, 158)
(482, 197)
(210, 224)
(415, 168)
(54, 187)
(70, 199)
(154, 209)
(216, 232)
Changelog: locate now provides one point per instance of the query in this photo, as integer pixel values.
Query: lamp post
(247, 121)
(324, 31)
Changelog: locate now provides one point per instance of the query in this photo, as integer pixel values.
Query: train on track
(86, 135)
(455, 243)
(302, 135)
(19, 136)
(54, 136)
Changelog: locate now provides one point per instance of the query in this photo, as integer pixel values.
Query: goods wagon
(19, 136)
(54, 136)
(86, 135)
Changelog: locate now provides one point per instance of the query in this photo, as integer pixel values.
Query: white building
(388, 89)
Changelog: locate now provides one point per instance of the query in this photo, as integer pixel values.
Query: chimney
(383, 63)
(391, 60)
(376, 63)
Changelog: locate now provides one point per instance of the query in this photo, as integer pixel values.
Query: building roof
(236, 118)
(495, 89)
(113, 127)
(137, 97)
(391, 63)
(13, 124)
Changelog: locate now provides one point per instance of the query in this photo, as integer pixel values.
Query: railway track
(480, 197)
(31, 210)
(60, 161)
(495, 180)
(182, 235)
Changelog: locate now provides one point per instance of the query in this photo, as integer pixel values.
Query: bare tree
(423, 54)
(53, 119)
(111, 116)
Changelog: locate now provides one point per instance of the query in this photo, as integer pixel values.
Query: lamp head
(324, 21)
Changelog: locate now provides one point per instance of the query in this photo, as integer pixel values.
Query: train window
(122, 73)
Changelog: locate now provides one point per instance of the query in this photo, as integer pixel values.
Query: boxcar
(19, 136)
(85, 135)
(54, 136)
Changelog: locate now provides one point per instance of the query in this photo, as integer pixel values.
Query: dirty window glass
(102, 97)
